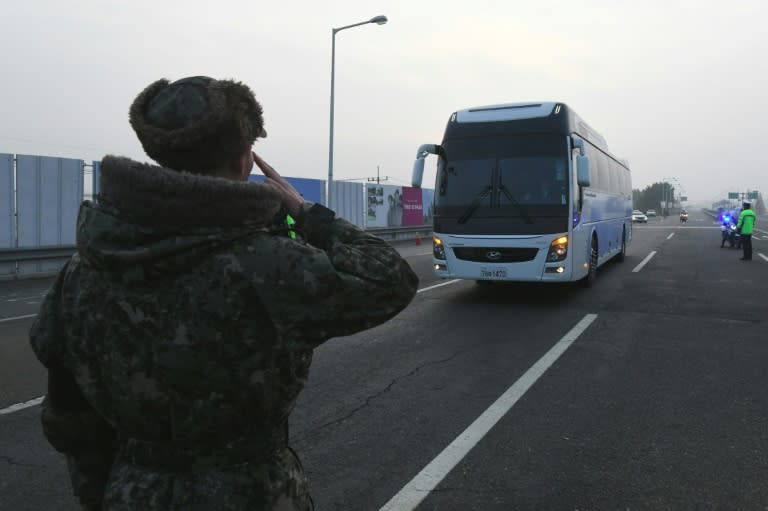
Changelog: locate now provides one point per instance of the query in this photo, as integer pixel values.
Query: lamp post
(665, 195)
(678, 189)
(379, 20)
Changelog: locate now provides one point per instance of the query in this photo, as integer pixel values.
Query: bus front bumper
(505, 272)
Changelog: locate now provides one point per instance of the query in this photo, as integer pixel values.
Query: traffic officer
(746, 224)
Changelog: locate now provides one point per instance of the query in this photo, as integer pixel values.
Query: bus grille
(495, 254)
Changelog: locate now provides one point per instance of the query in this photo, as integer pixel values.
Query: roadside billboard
(394, 206)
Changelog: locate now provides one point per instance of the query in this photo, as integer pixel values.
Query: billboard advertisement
(394, 206)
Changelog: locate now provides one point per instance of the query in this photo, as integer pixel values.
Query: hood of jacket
(150, 222)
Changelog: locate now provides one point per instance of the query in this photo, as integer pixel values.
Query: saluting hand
(291, 198)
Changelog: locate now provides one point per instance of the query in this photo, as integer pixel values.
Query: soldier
(179, 336)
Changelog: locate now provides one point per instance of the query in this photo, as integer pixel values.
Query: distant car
(651, 212)
(639, 217)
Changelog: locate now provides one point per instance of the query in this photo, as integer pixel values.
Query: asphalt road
(659, 403)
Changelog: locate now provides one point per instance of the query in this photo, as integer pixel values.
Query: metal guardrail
(10, 255)
(401, 233)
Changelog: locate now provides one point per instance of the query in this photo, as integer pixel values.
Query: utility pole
(378, 177)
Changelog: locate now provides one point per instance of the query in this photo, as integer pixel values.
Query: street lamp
(665, 195)
(379, 20)
(678, 189)
(680, 192)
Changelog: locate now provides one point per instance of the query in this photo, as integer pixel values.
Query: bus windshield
(521, 171)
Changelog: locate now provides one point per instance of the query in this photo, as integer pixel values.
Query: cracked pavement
(304, 436)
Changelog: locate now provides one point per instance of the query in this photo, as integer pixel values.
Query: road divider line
(670, 236)
(437, 285)
(17, 317)
(21, 406)
(430, 476)
(763, 256)
(667, 227)
(644, 262)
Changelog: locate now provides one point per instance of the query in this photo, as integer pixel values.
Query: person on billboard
(395, 211)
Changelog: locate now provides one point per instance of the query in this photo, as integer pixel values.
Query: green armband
(290, 222)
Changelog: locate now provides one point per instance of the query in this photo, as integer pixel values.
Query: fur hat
(196, 124)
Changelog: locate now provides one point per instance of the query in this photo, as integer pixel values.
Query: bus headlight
(558, 249)
(437, 248)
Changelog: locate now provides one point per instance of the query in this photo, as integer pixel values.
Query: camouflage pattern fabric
(176, 349)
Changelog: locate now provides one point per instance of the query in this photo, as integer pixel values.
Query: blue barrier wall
(7, 219)
(310, 189)
(48, 194)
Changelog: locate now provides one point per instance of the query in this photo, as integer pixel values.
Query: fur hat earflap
(196, 124)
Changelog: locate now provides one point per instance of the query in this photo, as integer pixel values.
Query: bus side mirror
(418, 173)
(418, 165)
(582, 170)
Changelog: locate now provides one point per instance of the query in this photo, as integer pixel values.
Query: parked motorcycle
(730, 234)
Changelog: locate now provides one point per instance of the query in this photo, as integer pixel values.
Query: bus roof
(505, 112)
(539, 116)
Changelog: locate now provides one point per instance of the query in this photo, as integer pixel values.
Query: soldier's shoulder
(265, 250)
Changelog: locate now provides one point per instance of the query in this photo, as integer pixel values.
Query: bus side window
(615, 183)
(595, 171)
(624, 179)
(605, 172)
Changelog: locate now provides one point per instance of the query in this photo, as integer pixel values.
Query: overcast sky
(678, 88)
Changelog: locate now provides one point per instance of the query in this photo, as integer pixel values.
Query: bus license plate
(497, 273)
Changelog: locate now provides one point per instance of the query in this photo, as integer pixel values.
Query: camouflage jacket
(179, 336)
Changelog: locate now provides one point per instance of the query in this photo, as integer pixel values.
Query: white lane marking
(21, 406)
(17, 317)
(670, 236)
(430, 476)
(644, 262)
(676, 227)
(424, 253)
(437, 285)
(17, 296)
(764, 257)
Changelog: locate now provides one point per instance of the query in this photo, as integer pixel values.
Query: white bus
(526, 192)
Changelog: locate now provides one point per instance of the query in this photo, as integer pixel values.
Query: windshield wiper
(475, 204)
(516, 204)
